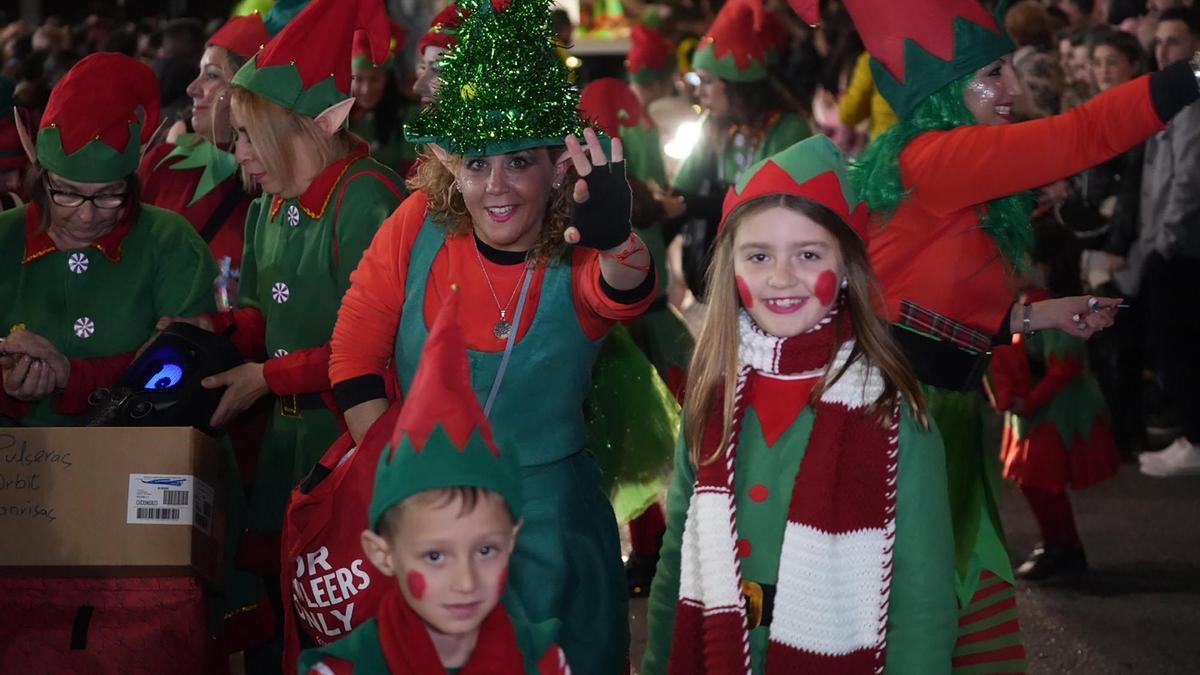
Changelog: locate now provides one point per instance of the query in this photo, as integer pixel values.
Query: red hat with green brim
(91, 131)
(917, 50)
(362, 59)
(742, 44)
(306, 67)
(610, 105)
(242, 35)
(813, 169)
(651, 56)
(442, 439)
(443, 30)
(503, 86)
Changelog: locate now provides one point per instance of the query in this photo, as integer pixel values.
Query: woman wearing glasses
(85, 268)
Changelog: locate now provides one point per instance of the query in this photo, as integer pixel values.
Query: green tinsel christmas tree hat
(814, 169)
(919, 46)
(503, 88)
(442, 438)
(742, 44)
(306, 67)
(97, 118)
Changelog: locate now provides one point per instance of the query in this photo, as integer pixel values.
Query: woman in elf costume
(546, 263)
(86, 269)
(1056, 430)
(323, 200)
(441, 36)
(946, 186)
(379, 106)
(197, 176)
(807, 528)
(745, 122)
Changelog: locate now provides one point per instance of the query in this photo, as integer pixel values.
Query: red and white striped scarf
(835, 570)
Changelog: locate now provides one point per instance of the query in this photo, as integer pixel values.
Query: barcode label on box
(169, 499)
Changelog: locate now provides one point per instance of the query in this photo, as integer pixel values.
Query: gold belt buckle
(754, 603)
(289, 405)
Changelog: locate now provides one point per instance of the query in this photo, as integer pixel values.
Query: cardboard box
(110, 501)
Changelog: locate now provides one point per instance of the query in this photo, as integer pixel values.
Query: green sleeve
(366, 203)
(643, 151)
(692, 171)
(923, 612)
(248, 279)
(787, 131)
(664, 592)
(186, 271)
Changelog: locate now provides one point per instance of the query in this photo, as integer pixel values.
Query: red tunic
(932, 250)
(172, 189)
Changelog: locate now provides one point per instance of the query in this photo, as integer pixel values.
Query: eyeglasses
(74, 199)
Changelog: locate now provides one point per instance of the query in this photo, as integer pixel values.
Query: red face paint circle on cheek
(826, 289)
(416, 584)
(744, 293)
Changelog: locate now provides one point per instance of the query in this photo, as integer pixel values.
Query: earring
(450, 192)
(845, 282)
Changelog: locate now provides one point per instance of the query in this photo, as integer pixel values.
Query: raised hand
(603, 202)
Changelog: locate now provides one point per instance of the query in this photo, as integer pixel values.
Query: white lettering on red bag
(323, 596)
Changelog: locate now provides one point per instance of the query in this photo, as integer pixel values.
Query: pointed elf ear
(23, 134)
(442, 155)
(333, 118)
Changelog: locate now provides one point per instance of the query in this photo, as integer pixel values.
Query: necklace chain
(486, 277)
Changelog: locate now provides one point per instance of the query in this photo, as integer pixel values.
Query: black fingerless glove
(604, 221)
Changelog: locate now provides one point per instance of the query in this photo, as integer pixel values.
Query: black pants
(1171, 295)
(1118, 359)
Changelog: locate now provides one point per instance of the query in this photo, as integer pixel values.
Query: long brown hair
(712, 376)
(445, 203)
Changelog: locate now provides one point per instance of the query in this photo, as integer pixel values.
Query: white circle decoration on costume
(279, 353)
(78, 263)
(293, 215)
(84, 327)
(280, 293)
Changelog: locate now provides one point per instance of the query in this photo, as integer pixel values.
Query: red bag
(332, 585)
(107, 625)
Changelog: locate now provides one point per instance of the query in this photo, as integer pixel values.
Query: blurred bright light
(681, 144)
(573, 62)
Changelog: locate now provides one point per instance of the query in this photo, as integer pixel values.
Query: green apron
(567, 564)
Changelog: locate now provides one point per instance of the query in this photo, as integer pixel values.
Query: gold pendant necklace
(502, 328)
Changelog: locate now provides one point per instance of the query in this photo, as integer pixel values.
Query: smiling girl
(806, 433)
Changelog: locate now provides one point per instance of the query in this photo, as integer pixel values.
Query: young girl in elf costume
(1056, 430)
(807, 531)
(946, 186)
(444, 518)
(547, 263)
(197, 176)
(745, 122)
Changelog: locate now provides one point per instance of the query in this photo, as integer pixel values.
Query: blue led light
(168, 376)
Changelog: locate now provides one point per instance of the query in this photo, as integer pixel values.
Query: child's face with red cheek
(452, 566)
(787, 269)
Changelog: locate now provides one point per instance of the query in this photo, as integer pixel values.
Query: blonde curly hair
(446, 205)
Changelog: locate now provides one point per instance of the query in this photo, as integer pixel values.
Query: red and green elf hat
(651, 56)
(442, 438)
(306, 67)
(920, 47)
(363, 59)
(610, 105)
(814, 169)
(12, 153)
(242, 35)
(743, 42)
(443, 30)
(91, 131)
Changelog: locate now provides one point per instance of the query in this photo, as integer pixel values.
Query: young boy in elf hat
(445, 514)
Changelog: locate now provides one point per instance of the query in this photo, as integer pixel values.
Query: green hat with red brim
(442, 439)
(306, 67)
(813, 169)
(743, 43)
(98, 116)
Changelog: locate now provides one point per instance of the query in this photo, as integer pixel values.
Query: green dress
(296, 267)
(100, 300)
(922, 612)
